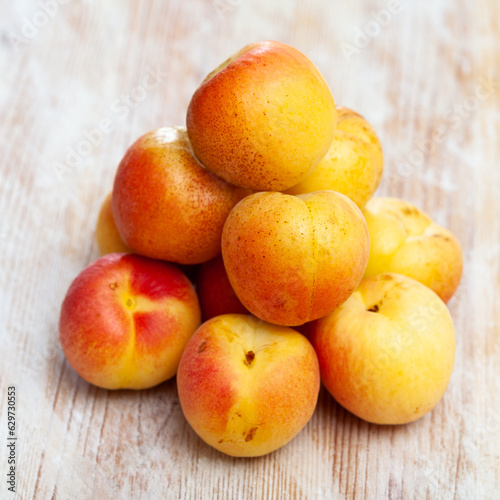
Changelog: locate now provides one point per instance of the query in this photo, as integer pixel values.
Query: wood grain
(428, 81)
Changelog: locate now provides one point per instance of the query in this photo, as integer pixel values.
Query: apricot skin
(215, 292)
(166, 205)
(292, 259)
(354, 163)
(263, 119)
(387, 353)
(247, 387)
(405, 240)
(107, 236)
(126, 319)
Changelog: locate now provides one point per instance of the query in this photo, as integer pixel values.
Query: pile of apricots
(245, 255)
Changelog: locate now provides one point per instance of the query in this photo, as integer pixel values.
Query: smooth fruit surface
(292, 259)
(166, 205)
(405, 240)
(247, 387)
(215, 292)
(107, 236)
(125, 321)
(263, 119)
(354, 163)
(387, 353)
(109, 240)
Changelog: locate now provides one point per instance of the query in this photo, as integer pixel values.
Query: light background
(427, 77)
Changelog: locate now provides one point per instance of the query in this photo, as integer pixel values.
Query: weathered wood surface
(426, 76)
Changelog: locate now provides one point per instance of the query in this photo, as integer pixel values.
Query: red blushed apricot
(293, 259)
(165, 204)
(247, 387)
(126, 319)
(206, 387)
(215, 293)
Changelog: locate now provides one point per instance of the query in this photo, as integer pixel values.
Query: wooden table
(81, 80)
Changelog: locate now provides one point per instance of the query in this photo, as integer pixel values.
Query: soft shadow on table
(152, 419)
(145, 433)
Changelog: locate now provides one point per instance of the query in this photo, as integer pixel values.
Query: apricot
(215, 292)
(263, 119)
(387, 353)
(247, 387)
(405, 240)
(107, 236)
(166, 205)
(125, 321)
(354, 163)
(292, 259)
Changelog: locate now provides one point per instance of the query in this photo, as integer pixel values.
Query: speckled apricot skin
(354, 163)
(215, 293)
(109, 240)
(405, 240)
(107, 236)
(263, 119)
(293, 259)
(247, 387)
(387, 353)
(125, 321)
(166, 205)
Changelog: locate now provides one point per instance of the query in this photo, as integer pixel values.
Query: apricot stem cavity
(249, 358)
(130, 303)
